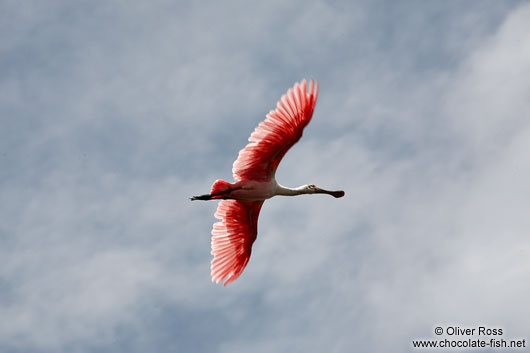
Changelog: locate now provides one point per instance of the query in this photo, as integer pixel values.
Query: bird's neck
(285, 191)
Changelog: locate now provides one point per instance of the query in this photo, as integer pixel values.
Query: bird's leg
(224, 195)
(201, 197)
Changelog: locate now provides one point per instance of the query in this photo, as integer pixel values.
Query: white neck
(285, 191)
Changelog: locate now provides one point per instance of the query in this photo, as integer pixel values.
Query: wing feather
(232, 238)
(274, 136)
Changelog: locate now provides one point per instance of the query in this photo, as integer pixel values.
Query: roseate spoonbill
(255, 170)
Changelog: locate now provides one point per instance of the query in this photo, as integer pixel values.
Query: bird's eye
(312, 186)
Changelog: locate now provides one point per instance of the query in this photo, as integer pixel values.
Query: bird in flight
(254, 172)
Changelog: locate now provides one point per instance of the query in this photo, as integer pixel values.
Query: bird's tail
(219, 189)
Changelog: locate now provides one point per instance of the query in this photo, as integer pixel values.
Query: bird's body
(255, 170)
(251, 190)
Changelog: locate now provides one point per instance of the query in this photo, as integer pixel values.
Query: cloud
(113, 115)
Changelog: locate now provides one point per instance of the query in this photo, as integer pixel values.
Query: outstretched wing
(232, 238)
(273, 137)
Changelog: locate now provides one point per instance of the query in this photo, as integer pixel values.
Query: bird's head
(313, 189)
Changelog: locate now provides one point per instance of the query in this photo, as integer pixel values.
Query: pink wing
(232, 238)
(274, 136)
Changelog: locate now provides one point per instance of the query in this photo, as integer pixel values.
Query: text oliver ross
(481, 331)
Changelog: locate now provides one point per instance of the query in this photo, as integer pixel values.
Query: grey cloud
(113, 114)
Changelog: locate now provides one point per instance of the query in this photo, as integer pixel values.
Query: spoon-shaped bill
(336, 194)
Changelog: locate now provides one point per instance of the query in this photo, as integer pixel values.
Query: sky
(113, 113)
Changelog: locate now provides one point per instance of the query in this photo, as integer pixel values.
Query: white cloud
(122, 112)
